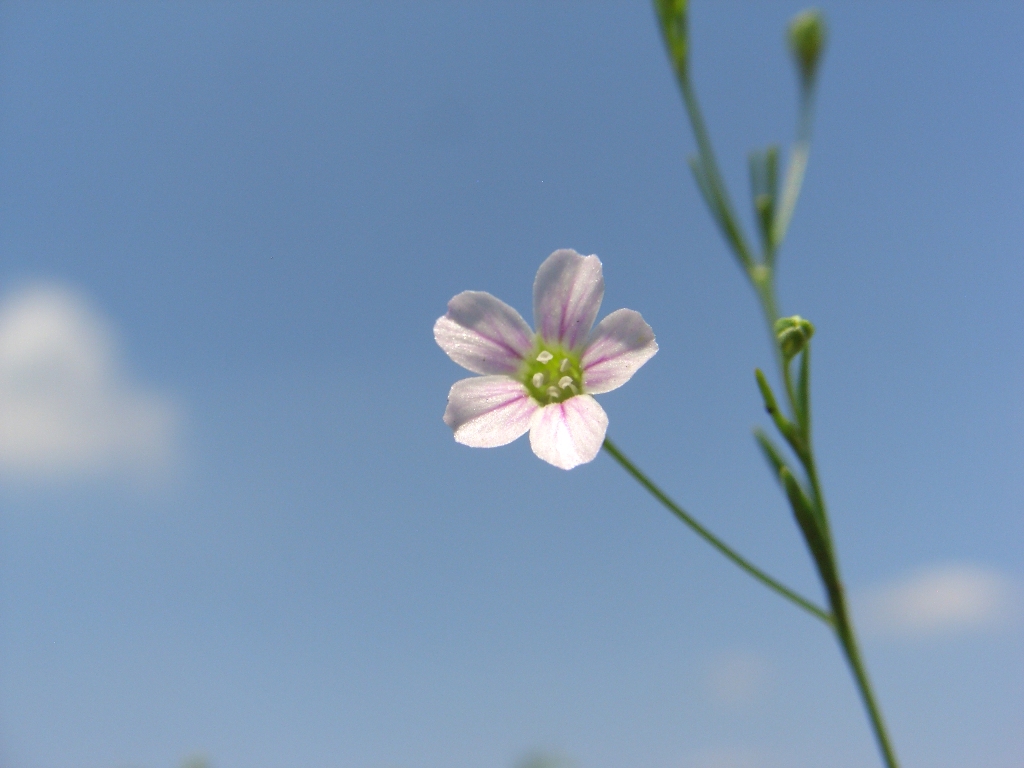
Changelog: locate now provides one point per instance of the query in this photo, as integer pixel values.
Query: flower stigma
(551, 374)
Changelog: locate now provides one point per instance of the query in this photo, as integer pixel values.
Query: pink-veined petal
(566, 296)
(488, 411)
(616, 349)
(569, 433)
(483, 334)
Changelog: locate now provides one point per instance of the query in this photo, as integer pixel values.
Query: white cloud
(66, 407)
(738, 678)
(938, 600)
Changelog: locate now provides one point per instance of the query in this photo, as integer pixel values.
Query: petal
(483, 334)
(488, 411)
(566, 296)
(616, 349)
(569, 433)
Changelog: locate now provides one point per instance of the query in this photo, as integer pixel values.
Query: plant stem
(798, 157)
(730, 227)
(713, 540)
(848, 642)
(762, 277)
(842, 625)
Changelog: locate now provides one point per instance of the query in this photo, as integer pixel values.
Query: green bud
(673, 17)
(793, 334)
(806, 37)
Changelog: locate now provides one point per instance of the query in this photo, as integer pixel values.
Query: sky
(233, 526)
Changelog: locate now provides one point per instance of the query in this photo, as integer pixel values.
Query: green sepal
(793, 334)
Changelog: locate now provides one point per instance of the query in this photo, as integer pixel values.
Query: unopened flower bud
(806, 37)
(793, 334)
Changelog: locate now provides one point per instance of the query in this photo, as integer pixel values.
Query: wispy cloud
(938, 600)
(67, 408)
(738, 678)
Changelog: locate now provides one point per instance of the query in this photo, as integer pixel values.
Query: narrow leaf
(786, 428)
(771, 453)
(706, 188)
(764, 191)
(766, 393)
(806, 518)
(771, 167)
(714, 197)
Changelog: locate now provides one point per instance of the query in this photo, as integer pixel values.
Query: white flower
(543, 381)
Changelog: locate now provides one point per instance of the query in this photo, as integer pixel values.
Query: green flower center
(551, 374)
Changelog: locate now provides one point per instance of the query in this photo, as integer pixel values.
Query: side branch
(714, 541)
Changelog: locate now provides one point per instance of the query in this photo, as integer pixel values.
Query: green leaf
(766, 393)
(807, 519)
(707, 189)
(715, 198)
(764, 182)
(786, 428)
(771, 453)
(771, 169)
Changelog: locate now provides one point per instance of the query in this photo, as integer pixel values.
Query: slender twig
(713, 540)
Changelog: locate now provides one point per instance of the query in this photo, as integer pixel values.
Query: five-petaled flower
(543, 381)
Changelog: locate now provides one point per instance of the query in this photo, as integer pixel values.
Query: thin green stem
(727, 218)
(761, 274)
(841, 624)
(762, 277)
(848, 641)
(798, 157)
(713, 540)
(795, 171)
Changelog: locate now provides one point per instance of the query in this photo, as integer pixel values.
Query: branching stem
(713, 540)
(806, 497)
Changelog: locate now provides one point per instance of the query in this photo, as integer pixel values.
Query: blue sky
(232, 522)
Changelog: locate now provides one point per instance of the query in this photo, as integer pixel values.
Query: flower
(541, 382)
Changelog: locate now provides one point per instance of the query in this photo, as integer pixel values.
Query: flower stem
(713, 540)
(841, 623)
(718, 200)
(761, 273)
(848, 642)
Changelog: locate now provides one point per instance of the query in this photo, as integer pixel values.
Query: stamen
(565, 381)
(538, 380)
(565, 365)
(553, 392)
(544, 356)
